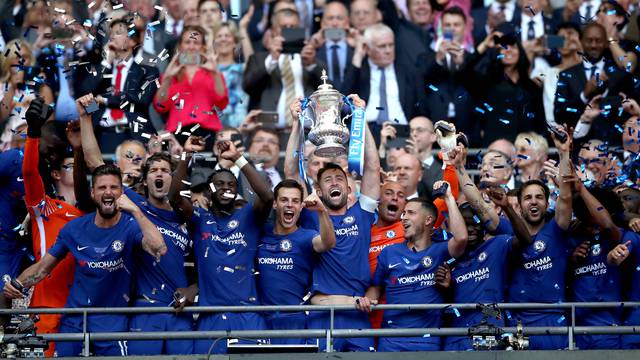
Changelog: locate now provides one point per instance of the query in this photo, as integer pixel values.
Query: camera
(22, 341)
(486, 336)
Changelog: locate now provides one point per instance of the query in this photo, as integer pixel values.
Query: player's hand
(36, 115)
(498, 195)
(194, 144)
(563, 146)
(357, 101)
(73, 134)
(185, 297)
(313, 203)
(551, 171)
(443, 276)
(581, 252)
(364, 304)
(125, 204)
(228, 151)
(619, 253)
(634, 224)
(11, 292)
(456, 156)
(82, 103)
(440, 183)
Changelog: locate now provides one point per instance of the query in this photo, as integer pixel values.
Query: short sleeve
(134, 196)
(381, 270)
(61, 247)
(504, 227)
(134, 232)
(7, 163)
(368, 204)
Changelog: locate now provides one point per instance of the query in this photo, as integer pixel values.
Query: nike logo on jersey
(80, 248)
(68, 215)
(20, 179)
(210, 222)
(393, 265)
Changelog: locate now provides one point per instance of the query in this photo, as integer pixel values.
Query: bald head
(504, 146)
(335, 15)
(409, 171)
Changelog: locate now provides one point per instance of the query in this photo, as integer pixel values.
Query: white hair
(375, 31)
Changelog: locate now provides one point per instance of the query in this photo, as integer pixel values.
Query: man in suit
(597, 74)
(334, 52)
(447, 98)
(423, 138)
(123, 90)
(274, 79)
(486, 20)
(389, 87)
(264, 151)
(170, 28)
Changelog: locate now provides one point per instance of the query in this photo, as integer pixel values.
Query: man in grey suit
(274, 79)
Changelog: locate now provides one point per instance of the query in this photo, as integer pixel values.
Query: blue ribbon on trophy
(304, 103)
(328, 132)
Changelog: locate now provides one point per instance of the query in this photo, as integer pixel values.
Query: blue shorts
(394, 344)
(10, 262)
(160, 322)
(287, 321)
(542, 318)
(225, 321)
(95, 323)
(343, 320)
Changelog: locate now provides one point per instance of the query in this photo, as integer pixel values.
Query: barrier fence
(570, 330)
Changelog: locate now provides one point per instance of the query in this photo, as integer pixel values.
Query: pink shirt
(200, 101)
(465, 5)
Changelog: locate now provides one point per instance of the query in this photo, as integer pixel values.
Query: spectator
(171, 27)
(210, 15)
(409, 172)
(506, 98)
(20, 83)
(423, 138)
(532, 153)
(364, 14)
(614, 18)
(264, 150)
(497, 168)
(548, 76)
(421, 13)
(447, 96)
(596, 75)
(440, 6)
(192, 94)
(335, 52)
(389, 87)
(594, 156)
(486, 20)
(274, 79)
(133, 87)
(505, 146)
(226, 39)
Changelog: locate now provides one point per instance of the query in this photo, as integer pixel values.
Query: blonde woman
(20, 82)
(226, 39)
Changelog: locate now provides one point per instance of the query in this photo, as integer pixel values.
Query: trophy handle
(344, 119)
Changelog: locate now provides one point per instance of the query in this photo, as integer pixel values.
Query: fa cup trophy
(328, 130)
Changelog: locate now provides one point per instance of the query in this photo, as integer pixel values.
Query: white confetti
(231, 252)
(61, 11)
(228, 269)
(178, 128)
(146, 135)
(92, 4)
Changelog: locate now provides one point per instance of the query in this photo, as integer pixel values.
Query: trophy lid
(325, 88)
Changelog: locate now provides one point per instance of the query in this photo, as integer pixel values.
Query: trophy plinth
(328, 131)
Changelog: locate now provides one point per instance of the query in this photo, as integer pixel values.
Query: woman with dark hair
(508, 102)
(192, 90)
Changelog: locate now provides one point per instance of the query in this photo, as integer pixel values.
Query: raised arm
(522, 237)
(80, 182)
(152, 241)
(450, 176)
(327, 238)
(487, 214)
(36, 115)
(564, 206)
(31, 276)
(90, 147)
(264, 199)
(370, 186)
(291, 166)
(599, 215)
(456, 222)
(181, 204)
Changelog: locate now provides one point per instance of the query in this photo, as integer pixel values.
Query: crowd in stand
(141, 166)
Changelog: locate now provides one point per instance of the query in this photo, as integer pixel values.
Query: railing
(571, 330)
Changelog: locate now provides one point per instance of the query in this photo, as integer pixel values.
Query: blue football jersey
(11, 194)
